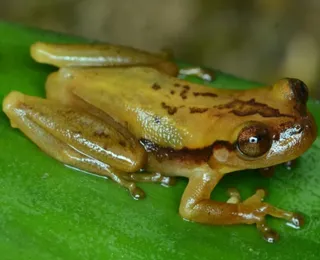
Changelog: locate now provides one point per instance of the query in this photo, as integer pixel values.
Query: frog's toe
(256, 198)
(268, 234)
(297, 220)
(234, 195)
(136, 192)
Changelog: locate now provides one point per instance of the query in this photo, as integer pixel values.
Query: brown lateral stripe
(155, 86)
(197, 110)
(204, 94)
(166, 153)
(199, 155)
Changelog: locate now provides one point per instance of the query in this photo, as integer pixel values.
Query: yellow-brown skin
(117, 121)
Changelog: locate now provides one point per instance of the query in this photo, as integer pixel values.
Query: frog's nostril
(299, 89)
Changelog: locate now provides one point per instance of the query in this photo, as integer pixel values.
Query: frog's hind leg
(107, 55)
(100, 55)
(29, 113)
(197, 206)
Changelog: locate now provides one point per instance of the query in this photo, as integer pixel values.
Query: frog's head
(276, 129)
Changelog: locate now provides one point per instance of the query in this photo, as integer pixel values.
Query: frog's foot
(151, 177)
(204, 74)
(263, 209)
(197, 206)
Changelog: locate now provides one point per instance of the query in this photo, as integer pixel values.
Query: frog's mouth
(292, 139)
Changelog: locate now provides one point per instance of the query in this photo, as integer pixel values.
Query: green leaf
(49, 211)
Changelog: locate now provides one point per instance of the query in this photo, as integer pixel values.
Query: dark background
(262, 40)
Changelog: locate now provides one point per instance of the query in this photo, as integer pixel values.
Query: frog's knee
(186, 210)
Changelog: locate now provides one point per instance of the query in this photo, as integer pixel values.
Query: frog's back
(165, 110)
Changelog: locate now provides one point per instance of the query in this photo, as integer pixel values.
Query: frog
(138, 123)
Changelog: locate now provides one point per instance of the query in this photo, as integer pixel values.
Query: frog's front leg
(197, 206)
(77, 139)
(107, 55)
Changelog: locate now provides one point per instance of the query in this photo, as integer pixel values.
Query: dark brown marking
(251, 107)
(299, 89)
(172, 92)
(171, 110)
(101, 133)
(197, 110)
(184, 92)
(155, 86)
(224, 144)
(185, 154)
(166, 153)
(301, 108)
(183, 95)
(204, 94)
(176, 85)
(122, 143)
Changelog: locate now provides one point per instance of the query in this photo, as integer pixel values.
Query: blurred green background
(261, 40)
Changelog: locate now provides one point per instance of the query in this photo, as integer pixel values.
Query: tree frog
(117, 112)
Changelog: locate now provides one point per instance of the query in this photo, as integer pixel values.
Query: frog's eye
(254, 140)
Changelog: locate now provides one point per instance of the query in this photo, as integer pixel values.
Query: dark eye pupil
(254, 139)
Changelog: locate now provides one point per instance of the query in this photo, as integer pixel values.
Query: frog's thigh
(26, 113)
